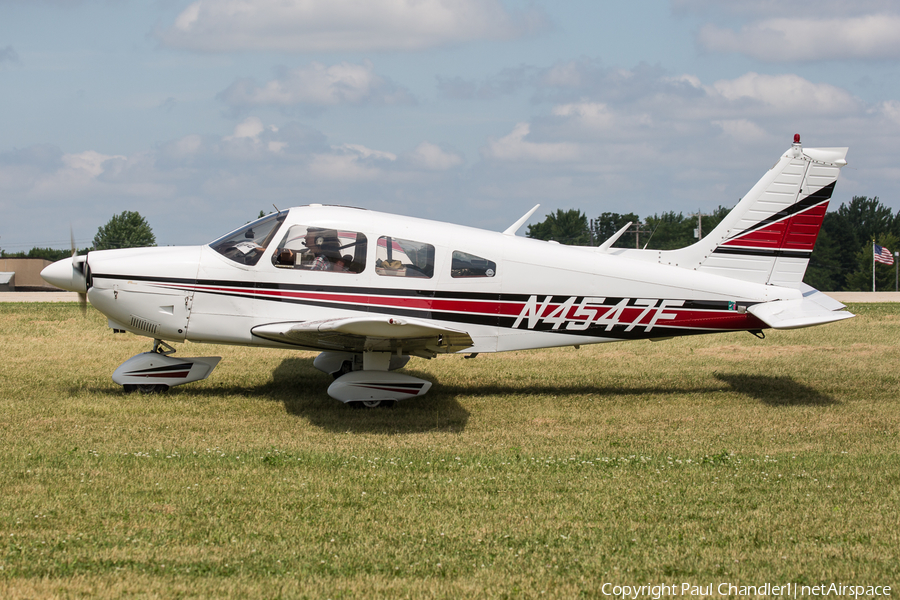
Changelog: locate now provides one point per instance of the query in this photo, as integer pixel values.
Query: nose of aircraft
(67, 274)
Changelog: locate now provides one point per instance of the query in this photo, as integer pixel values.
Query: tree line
(126, 230)
(841, 260)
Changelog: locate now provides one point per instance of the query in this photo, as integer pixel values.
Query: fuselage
(319, 262)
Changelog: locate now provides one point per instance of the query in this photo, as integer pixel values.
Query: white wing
(368, 334)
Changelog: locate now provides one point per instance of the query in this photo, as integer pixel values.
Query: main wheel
(159, 388)
(375, 403)
(346, 367)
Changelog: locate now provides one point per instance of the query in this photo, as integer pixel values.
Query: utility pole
(637, 231)
(698, 233)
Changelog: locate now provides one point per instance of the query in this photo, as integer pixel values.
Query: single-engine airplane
(370, 290)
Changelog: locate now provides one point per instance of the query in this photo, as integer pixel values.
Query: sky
(200, 114)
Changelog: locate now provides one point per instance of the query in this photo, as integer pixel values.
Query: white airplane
(370, 290)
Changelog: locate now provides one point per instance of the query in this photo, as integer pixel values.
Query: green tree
(566, 227)
(51, 254)
(126, 230)
(608, 223)
(670, 231)
(824, 269)
(867, 218)
(842, 258)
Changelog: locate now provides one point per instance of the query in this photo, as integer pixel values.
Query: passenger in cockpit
(342, 264)
(315, 243)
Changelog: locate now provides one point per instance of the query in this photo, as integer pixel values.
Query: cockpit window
(395, 257)
(321, 249)
(469, 265)
(247, 244)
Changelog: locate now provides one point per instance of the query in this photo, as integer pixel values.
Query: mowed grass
(528, 474)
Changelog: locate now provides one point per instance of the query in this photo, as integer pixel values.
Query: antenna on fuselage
(512, 229)
(604, 247)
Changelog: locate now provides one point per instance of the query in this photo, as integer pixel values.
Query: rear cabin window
(395, 257)
(464, 265)
(321, 249)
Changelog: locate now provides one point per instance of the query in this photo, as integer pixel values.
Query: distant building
(7, 282)
(27, 273)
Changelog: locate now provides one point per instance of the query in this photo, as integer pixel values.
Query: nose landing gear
(156, 371)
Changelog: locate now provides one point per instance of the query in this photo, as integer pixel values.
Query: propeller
(81, 267)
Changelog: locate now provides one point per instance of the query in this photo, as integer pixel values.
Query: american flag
(882, 255)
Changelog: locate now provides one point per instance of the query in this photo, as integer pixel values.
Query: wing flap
(369, 333)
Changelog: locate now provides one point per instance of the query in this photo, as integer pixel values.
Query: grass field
(521, 475)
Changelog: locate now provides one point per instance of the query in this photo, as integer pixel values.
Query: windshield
(247, 244)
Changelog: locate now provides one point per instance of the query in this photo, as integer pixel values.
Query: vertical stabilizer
(769, 236)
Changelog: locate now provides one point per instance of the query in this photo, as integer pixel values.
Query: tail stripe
(795, 227)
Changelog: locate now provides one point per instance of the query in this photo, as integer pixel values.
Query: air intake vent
(144, 324)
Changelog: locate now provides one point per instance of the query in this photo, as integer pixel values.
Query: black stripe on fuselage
(766, 252)
(244, 289)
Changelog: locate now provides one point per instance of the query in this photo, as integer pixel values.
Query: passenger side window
(465, 265)
(321, 249)
(395, 257)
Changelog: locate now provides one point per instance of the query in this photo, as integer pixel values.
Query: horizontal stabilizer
(794, 314)
(823, 300)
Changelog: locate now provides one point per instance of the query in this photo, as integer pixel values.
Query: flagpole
(873, 265)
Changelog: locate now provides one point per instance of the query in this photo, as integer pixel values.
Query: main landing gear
(156, 371)
(365, 380)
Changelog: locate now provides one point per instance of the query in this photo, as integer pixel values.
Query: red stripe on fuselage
(629, 316)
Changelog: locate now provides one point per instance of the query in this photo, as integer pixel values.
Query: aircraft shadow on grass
(300, 388)
(776, 391)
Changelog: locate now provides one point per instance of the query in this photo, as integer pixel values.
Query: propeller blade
(82, 297)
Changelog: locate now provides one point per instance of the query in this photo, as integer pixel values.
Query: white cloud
(594, 114)
(249, 128)
(872, 36)
(88, 164)
(336, 25)
(787, 94)
(363, 152)
(433, 157)
(317, 85)
(514, 147)
(891, 110)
